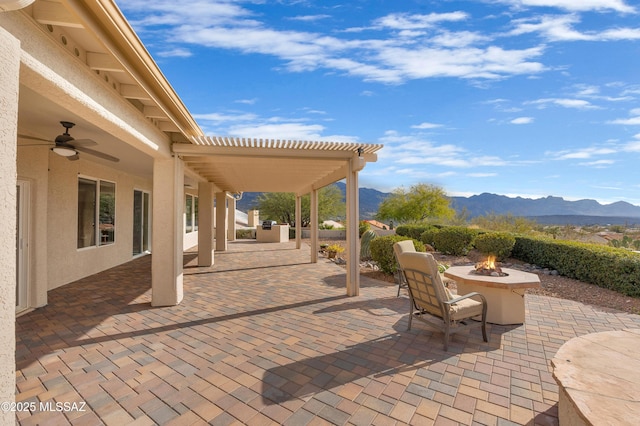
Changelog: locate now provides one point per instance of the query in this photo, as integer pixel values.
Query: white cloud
(632, 147)
(221, 118)
(406, 21)
(247, 101)
(481, 175)
(576, 5)
(409, 46)
(583, 153)
(309, 18)
(416, 151)
(632, 121)
(563, 102)
(522, 120)
(176, 53)
(561, 28)
(426, 125)
(293, 131)
(598, 164)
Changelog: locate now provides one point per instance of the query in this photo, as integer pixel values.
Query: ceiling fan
(67, 146)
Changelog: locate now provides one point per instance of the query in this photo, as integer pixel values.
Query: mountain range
(547, 210)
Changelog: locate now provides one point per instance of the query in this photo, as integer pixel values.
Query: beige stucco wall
(67, 263)
(9, 72)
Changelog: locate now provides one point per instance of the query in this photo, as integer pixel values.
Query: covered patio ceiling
(267, 165)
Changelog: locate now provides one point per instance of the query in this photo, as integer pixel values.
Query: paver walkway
(265, 337)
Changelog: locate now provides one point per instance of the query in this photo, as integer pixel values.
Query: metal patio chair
(434, 304)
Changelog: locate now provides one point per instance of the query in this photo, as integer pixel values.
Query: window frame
(190, 213)
(98, 235)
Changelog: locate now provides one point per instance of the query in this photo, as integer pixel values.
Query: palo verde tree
(421, 202)
(281, 206)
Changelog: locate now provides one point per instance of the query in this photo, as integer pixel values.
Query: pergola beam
(187, 150)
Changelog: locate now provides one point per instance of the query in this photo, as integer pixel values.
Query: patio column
(10, 53)
(221, 221)
(298, 220)
(314, 225)
(205, 224)
(231, 219)
(353, 218)
(167, 231)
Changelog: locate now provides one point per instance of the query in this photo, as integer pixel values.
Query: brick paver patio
(265, 337)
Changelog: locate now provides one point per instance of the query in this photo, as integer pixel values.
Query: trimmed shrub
(382, 251)
(365, 244)
(454, 240)
(428, 236)
(607, 267)
(499, 244)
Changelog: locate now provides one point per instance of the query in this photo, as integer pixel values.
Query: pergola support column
(205, 224)
(231, 219)
(298, 221)
(221, 221)
(314, 225)
(168, 208)
(353, 218)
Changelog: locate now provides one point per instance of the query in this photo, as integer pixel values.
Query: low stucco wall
(327, 234)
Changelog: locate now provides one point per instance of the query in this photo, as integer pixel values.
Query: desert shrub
(365, 244)
(363, 227)
(497, 244)
(607, 267)
(382, 251)
(414, 230)
(454, 240)
(245, 233)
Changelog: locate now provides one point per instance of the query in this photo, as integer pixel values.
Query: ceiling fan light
(64, 151)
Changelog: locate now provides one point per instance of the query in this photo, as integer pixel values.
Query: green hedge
(414, 230)
(607, 267)
(382, 251)
(499, 244)
(454, 240)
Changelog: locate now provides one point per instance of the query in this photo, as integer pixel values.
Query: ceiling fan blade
(97, 154)
(35, 138)
(73, 157)
(83, 142)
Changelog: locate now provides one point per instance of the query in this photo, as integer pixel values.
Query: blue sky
(515, 97)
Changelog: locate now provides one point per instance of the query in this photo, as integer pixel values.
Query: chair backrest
(404, 246)
(425, 285)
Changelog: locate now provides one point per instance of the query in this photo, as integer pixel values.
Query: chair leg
(484, 331)
(410, 317)
(446, 339)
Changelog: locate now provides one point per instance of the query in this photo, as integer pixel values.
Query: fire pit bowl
(489, 268)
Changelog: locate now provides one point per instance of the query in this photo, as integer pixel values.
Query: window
(191, 213)
(96, 205)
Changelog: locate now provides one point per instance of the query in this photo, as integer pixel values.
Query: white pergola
(226, 165)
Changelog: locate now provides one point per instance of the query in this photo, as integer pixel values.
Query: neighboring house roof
(377, 224)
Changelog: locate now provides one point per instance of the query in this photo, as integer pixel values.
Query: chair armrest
(466, 296)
